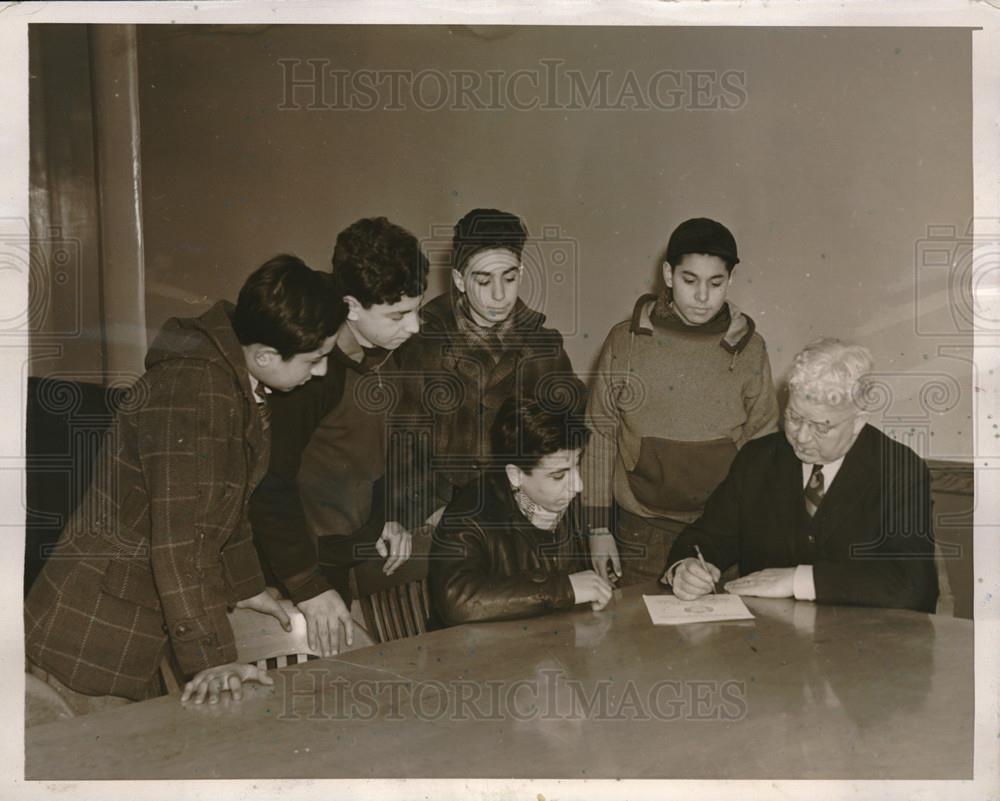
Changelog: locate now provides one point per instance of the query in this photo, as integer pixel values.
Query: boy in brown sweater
(680, 387)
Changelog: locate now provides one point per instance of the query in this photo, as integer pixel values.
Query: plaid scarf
(492, 338)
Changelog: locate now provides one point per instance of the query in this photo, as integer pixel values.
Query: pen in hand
(704, 566)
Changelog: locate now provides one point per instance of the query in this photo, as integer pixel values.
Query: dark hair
(486, 229)
(705, 236)
(525, 431)
(376, 261)
(288, 306)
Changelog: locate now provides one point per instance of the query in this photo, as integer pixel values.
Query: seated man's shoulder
(889, 453)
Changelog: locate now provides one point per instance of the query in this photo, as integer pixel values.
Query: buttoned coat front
(453, 386)
(160, 547)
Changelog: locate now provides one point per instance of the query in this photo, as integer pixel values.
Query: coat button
(180, 630)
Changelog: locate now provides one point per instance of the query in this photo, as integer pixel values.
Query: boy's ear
(514, 475)
(263, 355)
(458, 279)
(668, 274)
(353, 307)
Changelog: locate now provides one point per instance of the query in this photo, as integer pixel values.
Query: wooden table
(802, 691)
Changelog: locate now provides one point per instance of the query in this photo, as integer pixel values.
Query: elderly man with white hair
(829, 510)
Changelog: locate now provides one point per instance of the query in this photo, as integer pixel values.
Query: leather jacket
(488, 562)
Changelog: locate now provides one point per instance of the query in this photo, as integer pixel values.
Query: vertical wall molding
(115, 88)
(64, 308)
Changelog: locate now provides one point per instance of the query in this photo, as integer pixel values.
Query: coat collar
(209, 337)
(736, 337)
(440, 316)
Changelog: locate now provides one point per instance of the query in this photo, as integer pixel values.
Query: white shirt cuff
(803, 587)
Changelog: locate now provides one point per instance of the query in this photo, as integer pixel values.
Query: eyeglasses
(818, 429)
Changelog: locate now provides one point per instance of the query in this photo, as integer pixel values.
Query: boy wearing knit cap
(680, 387)
(478, 345)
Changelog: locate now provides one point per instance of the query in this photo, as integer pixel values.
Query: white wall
(849, 145)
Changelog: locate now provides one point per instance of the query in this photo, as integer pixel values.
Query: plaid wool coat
(160, 548)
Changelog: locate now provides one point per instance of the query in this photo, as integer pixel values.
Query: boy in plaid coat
(160, 547)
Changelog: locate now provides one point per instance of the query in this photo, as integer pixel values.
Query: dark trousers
(643, 545)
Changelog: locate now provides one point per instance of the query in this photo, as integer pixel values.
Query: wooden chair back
(399, 605)
(261, 641)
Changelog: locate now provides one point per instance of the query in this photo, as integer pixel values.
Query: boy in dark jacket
(509, 545)
(322, 505)
(160, 547)
(479, 344)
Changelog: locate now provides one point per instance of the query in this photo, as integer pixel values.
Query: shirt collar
(254, 384)
(830, 471)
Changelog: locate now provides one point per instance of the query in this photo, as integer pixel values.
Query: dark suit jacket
(870, 544)
(160, 547)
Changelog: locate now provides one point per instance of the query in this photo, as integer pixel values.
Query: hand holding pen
(704, 566)
(694, 577)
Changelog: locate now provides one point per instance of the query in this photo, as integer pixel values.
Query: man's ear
(459, 280)
(353, 307)
(514, 475)
(668, 274)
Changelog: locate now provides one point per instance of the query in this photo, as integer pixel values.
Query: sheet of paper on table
(666, 610)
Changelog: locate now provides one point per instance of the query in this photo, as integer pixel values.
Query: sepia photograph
(521, 402)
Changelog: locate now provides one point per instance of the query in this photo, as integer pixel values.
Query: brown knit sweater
(669, 407)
